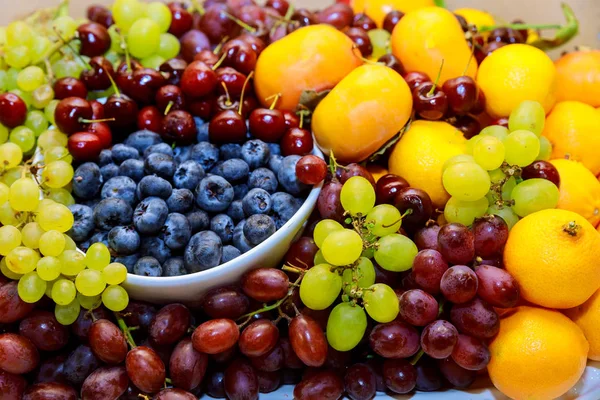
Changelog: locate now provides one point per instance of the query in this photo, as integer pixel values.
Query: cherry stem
(219, 62)
(114, 85)
(228, 102)
(68, 44)
(365, 60)
(275, 98)
(437, 80)
(126, 331)
(407, 212)
(250, 75)
(196, 5)
(471, 56)
(302, 114)
(91, 121)
(169, 106)
(125, 49)
(220, 45)
(239, 22)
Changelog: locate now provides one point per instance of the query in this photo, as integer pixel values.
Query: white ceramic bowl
(189, 289)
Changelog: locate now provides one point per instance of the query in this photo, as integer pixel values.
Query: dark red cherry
(181, 21)
(207, 57)
(150, 118)
(13, 110)
(364, 22)
(124, 74)
(239, 55)
(94, 39)
(391, 19)
(486, 50)
(97, 110)
(280, 5)
(84, 146)
(291, 119)
(267, 125)
(505, 35)
(461, 93)
(256, 43)
(339, 15)
(102, 130)
(232, 79)
(387, 188)
(304, 17)
(464, 25)
(173, 69)
(541, 169)
(296, 141)
(145, 84)
(198, 80)
(69, 87)
(98, 77)
(479, 106)
(419, 202)
(430, 102)
(71, 115)
(179, 126)
(361, 40)
(414, 79)
(524, 32)
(227, 127)
(468, 125)
(170, 94)
(391, 61)
(202, 108)
(123, 109)
(192, 43)
(101, 15)
(216, 24)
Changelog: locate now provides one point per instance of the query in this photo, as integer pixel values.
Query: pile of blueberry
(169, 211)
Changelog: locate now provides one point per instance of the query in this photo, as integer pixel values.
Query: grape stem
(417, 357)
(126, 330)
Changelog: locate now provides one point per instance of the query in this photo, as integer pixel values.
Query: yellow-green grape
(395, 252)
(57, 174)
(496, 175)
(37, 122)
(461, 158)
(45, 202)
(31, 234)
(320, 287)
(8, 216)
(23, 137)
(17, 57)
(4, 193)
(31, 78)
(385, 219)
(346, 326)
(67, 314)
(323, 229)
(506, 213)
(57, 153)
(159, 13)
(69, 243)
(381, 303)
(11, 78)
(63, 292)
(55, 216)
(25, 96)
(18, 33)
(72, 262)
(115, 298)
(470, 143)
(466, 181)
(342, 247)
(7, 272)
(143, 38)
(89, 282)
(49, 110)
(534, 195)
(48, 268)
(365, 275)
(10, 238)
(97, 256)
(61, 195)
(528, 115)
(66, 26)
(39, 48)
(52, 138)
(508, 187)
(11, 155)
(116, 41)
(545, 149)
(522, 148)
(12, 175)
(114, 273)
(357, 196)
(31, 287)
(498, 131)
(41, 97)
(3, 132)
(89, 302)
(52, 243)
(489, 152)
(319, 259)
(153, 62)
(65, 67)
(24, 195)
(168, 46)
(22, 260)
(49, 286)
(126, 12)
(465, 212)
(380, 39)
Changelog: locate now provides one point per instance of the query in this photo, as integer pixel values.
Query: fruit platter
(244, 199)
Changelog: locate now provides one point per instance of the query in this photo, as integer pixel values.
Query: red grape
(174, 394)
(395, 339)
(268, 381)
(459, 284)
(311, 170)
(497, 286)
(214, 384)
(169, 324)
(52, 370)
(290, 358)
(323, 385)
(438, 339)
(225, 303)
(456, 375)
(145, 369)
(308, 341)
(399, 376)
(302, 252)
(46, 333)
(490, 235)
(215, 336)
(187, 366)
(354, 169)
(541, 169)
(105, 383)
(429, 378)
(266, 284)
(139, 314)
(107, 342)
(457, 243)
(475, 318)
(270, 361)
(51, 391)
(18, 354)
(328, 203)
(427, 238)
(428, 268)
(418, 307)
(12, 308)
(240, 381)
(12, 386)
(258, 338)
(80, 363)
(360, 382)
(471, 353)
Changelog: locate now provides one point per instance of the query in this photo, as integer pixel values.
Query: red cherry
(414, 79)
(70, 113)
(69, 87)
(296, 141)
(227, 127)
(102, 130)
(181, 21)
(267, 125)
(13, 110)
(97, 109)
(179, 126)
(198, 80)
(202, 108)
(150, 118)
(291, 119)
(84, 146)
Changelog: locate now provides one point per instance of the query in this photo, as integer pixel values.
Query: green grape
(528, 115)
(12, 175)
(17, 57)
(55, 216)
(323, 229)
(143, 38)
(522, 148)
(22, 260)
(346, 326)
(31, 287)
(61, 196)
(506, 213)
(89, 302)
(23, 137)
(488, 152)
(320, 287)
(395, 252)
(11, 78)
(357, 196)
(545, 149)
(466, 181)
(4, 193)
(7, 272)
(52, 243)
(115, 298)
(31, 78)
(25, 96)
(114, 273)
(496, 175)
(365, 274)
(380, 39)
(66, 26)
(368, 253)
(159, 13)
(470, 143)
(386, 219)
(168, 46)
(52, 138)
(41, 97)
(3, 80)
(8, 216)
(18, 33)
(37, 122)
(40, 47)
(24, 195)
(11, 155)
(63, 292)
(508, 187)
(2, 35)
(534, 195)
(465, 212)
(115, 40)
(89, 282)
(3, 133)
(153, 62)
(72, 262)
(49, 286)
(126, 12)
(461, 158)
(342, 247)
(67, 314)
(69, 243)
(57, 174)
(381, 303)
(48, 268)
(65, 67)
(113, 57)
(10, 239)
(319, 259)
(31, 234)
(497, 131)
(97, 256)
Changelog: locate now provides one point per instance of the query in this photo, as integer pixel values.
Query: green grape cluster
(488, 181)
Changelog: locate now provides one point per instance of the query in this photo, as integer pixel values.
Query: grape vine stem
(126, 330)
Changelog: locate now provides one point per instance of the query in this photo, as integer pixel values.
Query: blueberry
(236, 211)
(229, 253)
(154, 186)
(233, 170)
(239, 239)
(223, 226)
(275, 162)
(182, 153)
(203, 251)
(158, 148)
(121, 187)
(133, 169)
(256, 153)
(199, 220)
(105, 157)
(188, 175)
(259, 228)
(181, 200)
(112, 212)
(124, 240)
(284, 207)
(98, 237)
(90, 203)
(176, 232)
(287, 176)
(150, 215)
(153, 246)
(205, 154)
(143, 139)
(83, 224)
(202, 130)
(109, 171)
(263, 178)
(231, 150)
(87, 180)
(161, 165)
(214, 194)
(122, 152)
(240, 190)
(257, 201)
(275, 149)
(174, 267)
(147, 266)
(128, 261)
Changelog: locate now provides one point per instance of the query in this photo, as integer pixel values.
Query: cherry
(364, 22)
(181, 21)
(267, 125)
(84, 146)
(207, 57)
(479, 106)
(124, 75)
(339, 15)
(467, 125)
(179, 126)
(227, 127)
(252, 15)
(98, 78)
(100, 15)
(414, 79)
(387, 188)
(461, 93)
(419, 202)
(502, 121)
(280, 5)
(123, 109)
(361, 40)
(232, 79)
(464, 25)
(94, 38)
(391, 61)
(145, 84)
(239, 55)
(102, 130)
(291, 119)
(506, 35)
(296, 141)
(391, 19)
(541, 169)
(524, 32)
(69, 87)
(150, 118)
(97, 110)
(13, 110)
(351, 170)
(486, 50)
(198, 80)
(192, 43)
(278, 32)
(170, 94)
(430, 102)
(173, 69)
(216, 24)
(70, 114)
(304, 17)
(202, 108)
(311, 170)
(256, 43)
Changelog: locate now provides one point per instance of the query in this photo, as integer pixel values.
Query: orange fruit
(378, 9)
(315, 57)
(555, 257)
(587, 317)
(538, 354)
(420, 154)
(573, 128)
(365, 110)
(424, 38)
(579, 189)
(515, 73)
(579, 77)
